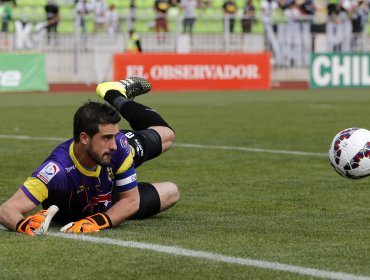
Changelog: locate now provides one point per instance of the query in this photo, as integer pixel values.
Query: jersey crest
(48, 172)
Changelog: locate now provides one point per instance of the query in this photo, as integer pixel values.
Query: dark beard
(96, 158)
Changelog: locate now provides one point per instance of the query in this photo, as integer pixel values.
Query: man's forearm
(124, 208)
(8, 217)
(12, 211)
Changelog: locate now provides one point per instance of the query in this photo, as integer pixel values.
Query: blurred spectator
(6, 17)
(268, 9)
(364, 13)
(52, 18)
(339, 26)
(99, 9)
(112, 20)
(308, 9)
(333, 8)
(249, 16)
(161, 9)
(133, 43)
(345, 15)
(357, 12)
(189, 7)
(292, 12)
(355, 17)
(285, 4)
(132, 14)
(175, 3)
(204, 4)
(83, 8)
(230, 9)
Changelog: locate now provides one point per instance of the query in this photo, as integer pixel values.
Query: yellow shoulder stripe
(126, 164)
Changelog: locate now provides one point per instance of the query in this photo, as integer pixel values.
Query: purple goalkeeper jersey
(79, 192)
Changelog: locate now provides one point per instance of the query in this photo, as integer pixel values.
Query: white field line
(247, 149)
(195, 146)
(177, 251)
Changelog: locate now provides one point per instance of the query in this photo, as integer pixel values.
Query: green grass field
(267, 204)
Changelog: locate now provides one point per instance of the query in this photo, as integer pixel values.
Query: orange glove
(31, 223)
(90, 224)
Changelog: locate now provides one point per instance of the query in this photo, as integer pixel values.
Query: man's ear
(84, 138)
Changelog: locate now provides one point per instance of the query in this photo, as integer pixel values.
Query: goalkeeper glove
(30, 224)
(89, 224)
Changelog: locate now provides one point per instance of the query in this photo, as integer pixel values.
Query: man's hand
(90, 224)
(38, 223)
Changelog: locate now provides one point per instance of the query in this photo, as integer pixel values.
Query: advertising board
(197, 71)
(340, 70)
(22, 72)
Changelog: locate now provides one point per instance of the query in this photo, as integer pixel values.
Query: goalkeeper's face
(103, 144)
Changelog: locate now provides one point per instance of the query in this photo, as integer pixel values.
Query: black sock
(138, 116)
(115, 98)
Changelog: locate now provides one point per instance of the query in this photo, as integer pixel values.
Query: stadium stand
(209, 18)
(33, 11)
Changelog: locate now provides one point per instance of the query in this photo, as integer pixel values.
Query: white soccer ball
(349, 153)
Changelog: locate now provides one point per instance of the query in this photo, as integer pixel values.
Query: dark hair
(90, 115)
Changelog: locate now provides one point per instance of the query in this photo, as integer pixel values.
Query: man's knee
(167, 136)
(169, 194)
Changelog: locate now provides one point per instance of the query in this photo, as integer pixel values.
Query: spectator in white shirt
(268, 8)
(189, 7)
(100, 10)
(83, 7)
(112, 20)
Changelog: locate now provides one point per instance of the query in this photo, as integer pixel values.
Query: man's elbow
(4, 217)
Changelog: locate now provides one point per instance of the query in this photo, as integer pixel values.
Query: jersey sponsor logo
(99, 203)
(139, 148)
(70, 168)
(48, 172)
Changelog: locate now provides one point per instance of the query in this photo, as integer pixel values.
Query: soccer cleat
(129, 88)
(136, 86)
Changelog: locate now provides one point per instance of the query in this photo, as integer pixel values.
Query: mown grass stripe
(214, 257)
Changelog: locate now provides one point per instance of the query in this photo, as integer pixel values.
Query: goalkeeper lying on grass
(91, 178)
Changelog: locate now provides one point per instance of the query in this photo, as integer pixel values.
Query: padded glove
(89, 224)
(30, 224)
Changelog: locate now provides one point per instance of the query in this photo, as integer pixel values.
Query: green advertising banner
(22, 72)
(340, 70)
